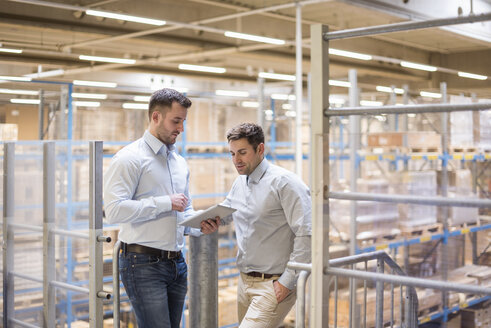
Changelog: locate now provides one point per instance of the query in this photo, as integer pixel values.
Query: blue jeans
(156, 288)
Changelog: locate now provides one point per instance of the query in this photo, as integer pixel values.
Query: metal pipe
(26, 277)
(41, 115)
(26, 227)
(409, 281)
(444, 193)
(260, 100)
(95, 232)
(66, 286)
(404, 26)
(49, 260)
(354, 145)
(8, 233)
(300, 309)
(203, 281)
(298, 91)
(69, 233)
(418, 109)
(409, 199)
(116, 305)
(22, 324)
(379, 296)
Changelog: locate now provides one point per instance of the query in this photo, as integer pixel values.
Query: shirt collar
(258, 172)
(156, 145)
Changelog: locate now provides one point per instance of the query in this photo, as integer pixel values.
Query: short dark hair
(165, 98)
(251, 131)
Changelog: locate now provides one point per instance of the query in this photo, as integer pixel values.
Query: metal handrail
(411, 316)
(117, 308)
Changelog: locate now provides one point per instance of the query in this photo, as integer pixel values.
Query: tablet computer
(210, 213)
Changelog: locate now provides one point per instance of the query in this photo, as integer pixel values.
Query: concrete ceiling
(52, 35)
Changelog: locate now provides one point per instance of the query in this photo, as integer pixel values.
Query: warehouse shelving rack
(320, 161)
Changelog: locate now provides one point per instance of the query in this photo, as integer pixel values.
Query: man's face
(169, 125)
(244, 157)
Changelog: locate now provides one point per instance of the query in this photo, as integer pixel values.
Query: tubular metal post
(95, 230)
(49, 265)
(116, 304)
(444, 186)
(320, 181)
(8, 233)
(41, 115)
(298, 91)
(203, 281)
(300, 309)
(354, 142)
(379, 297)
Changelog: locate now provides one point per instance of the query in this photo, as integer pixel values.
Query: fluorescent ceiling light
(282, 96)
(25, 101)
(349, 54)
(128, 18)
(16, 78)
(418, 66)
(107, 59)
(472, 76)
(141, 98)
(38, 75)
(232, 93)
(268, 112)
(286, 106)
(337, 83)
(13, 51)
(89, 95)
(252, 37)
(95, 84)
(430, 94)
(135, 106)
(275, 76)
(291, 113)
(20, 92)
(389, 89)
(208, 69)
(411, 115)
(249, 104)
(370, 103)
(87, 103)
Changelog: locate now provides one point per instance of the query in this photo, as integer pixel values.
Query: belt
(140, 249)
(261, 275)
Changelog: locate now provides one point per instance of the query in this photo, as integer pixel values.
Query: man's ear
(260, 149)
(155, 116)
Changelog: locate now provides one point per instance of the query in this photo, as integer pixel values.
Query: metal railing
(320, 124)
(408, 299)
(95, 237)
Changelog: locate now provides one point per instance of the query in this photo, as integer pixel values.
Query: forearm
(127, 210)
(301, 253)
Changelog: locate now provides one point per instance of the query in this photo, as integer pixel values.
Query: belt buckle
(262, 275)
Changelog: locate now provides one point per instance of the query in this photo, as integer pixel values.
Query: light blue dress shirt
(137, 186)
(273, 222)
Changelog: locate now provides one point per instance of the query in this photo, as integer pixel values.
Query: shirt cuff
(192, 232)
(287, 279)
(163, 204)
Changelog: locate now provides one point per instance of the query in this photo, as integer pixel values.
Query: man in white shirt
(146, 191)
(272, 225)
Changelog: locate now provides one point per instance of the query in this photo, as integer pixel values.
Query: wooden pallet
(425, 150)
(414, 231)
(462, 150)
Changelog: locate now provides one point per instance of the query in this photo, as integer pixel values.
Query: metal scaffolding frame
(320, 37)
(95, 237)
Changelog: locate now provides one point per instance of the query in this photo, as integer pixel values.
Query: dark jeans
(156, 288)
